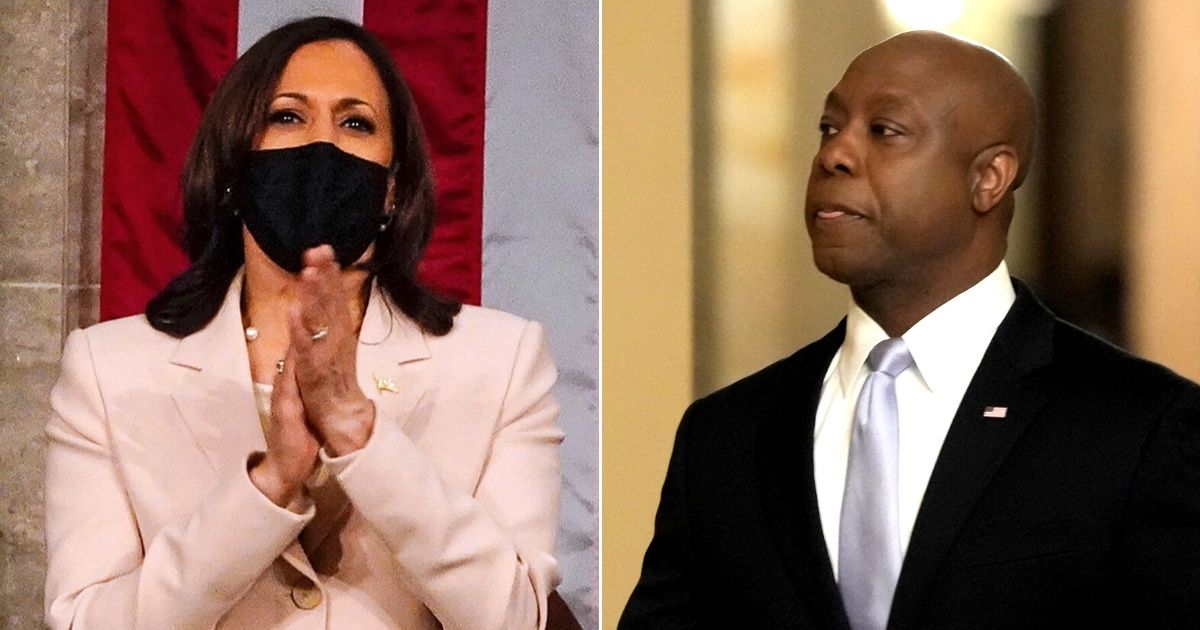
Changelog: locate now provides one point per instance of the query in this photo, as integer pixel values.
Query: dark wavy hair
(212, 231)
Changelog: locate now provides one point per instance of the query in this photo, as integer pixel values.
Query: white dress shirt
(947, 347)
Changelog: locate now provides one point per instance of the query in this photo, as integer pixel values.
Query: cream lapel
(392, 366)
(216, 399)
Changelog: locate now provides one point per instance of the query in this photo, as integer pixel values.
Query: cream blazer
(446, 518)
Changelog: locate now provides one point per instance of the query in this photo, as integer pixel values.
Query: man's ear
(992, 175)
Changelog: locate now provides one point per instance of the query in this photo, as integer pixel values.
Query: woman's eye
(284, 117)
(358, 123)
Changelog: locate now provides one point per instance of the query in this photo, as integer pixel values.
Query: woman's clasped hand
(316, 398)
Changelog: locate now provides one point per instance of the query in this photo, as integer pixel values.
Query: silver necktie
(869, 540)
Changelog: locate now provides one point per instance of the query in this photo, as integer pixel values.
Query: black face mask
(315, 194)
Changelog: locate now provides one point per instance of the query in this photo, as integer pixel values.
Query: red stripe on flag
(164, 60)
(441, 47)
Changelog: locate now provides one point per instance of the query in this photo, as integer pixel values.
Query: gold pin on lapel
(384, 384)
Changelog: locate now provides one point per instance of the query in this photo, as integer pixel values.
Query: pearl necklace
(252, 334)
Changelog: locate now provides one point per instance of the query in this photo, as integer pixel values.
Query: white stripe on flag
(540, 233)
(259, 17)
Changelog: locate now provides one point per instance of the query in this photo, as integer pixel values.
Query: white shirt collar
(946, 345)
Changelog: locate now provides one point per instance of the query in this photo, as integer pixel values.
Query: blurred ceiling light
(924, 14)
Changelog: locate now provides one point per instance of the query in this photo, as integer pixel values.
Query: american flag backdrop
(507, 92)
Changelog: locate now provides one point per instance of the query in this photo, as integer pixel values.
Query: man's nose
(839, 155)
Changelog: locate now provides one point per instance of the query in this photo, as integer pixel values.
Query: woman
(300, 435)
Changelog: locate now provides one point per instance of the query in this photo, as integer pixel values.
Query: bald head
(910, 195)
(989, 102)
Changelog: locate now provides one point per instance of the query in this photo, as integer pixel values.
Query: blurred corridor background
(709, 125)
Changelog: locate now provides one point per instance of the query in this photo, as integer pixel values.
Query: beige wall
(1164, 222)
(646, 287)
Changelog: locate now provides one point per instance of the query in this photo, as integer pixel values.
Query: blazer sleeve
(1160, 552)
(477, 561)
(100, 572)
(665, 593)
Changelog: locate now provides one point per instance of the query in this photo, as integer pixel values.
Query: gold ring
(320, 334)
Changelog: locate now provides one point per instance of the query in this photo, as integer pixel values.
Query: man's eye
(884, 131)
(284, 117)
(359, 123)
(827, 130)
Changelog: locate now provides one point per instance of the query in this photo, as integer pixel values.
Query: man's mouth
(835, 211)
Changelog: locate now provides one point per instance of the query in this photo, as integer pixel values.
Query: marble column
(51, 143)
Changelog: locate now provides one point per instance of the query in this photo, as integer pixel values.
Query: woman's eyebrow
(345, 102)
(296, 95)
(350, 101)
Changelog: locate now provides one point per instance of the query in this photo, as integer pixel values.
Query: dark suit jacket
(1081, 508)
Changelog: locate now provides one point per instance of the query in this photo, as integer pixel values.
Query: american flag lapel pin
(995, 412)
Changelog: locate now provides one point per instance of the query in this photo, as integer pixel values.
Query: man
(951, 455)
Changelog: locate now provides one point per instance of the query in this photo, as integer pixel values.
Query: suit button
(306, 597)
